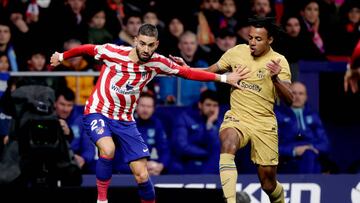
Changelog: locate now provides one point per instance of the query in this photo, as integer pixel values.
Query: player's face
(208, 107)
(300, 96)
(63, 107)
(145, 108)
(145, 47)
(259, 41)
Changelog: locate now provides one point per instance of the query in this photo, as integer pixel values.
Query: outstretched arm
(201, 75)
(180, 61)
(282, 88)
(86, 49)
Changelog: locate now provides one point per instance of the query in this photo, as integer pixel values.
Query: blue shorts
(129, 144)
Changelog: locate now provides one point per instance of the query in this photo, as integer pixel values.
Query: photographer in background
(64, 104)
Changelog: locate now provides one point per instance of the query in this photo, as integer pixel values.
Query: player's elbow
(289, 99)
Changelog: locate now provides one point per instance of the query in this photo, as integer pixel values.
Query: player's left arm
(86, 49)
(280, 76)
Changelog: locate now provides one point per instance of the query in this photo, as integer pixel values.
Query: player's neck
(133, 56)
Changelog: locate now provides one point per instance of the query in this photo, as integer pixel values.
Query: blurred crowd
(198, 31)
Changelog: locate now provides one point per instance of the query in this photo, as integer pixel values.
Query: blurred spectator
(311, 31)
(82, 86)
(75, 20)
(349, 30)
(132, 23)
(352, 75)
(36, 61)
(150, 16)
(293, 45)
(242, 30)
(189, 51)
(302, 137)
(208, 20)
(4, 73)
(195, 141)
(261, 8)
(4, 64)
(64, 104)
(6, 47)
(169, 41)
(228, 18)
(225, 40)
(97, 33)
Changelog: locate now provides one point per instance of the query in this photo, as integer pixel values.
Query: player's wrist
(223, 78)
(275, 78)
(61, 57)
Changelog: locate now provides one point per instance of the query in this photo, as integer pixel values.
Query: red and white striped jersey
(121, 81)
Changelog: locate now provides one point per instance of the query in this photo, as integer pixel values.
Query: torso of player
(253, 104)
(119, 86)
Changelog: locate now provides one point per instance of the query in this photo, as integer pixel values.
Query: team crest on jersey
(143, 75)
(261, 74)
(99, 130)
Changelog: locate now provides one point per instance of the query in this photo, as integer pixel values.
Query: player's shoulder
(238, 50)
(113, 47)
(156, 57)
(277, 54)
(240, 47)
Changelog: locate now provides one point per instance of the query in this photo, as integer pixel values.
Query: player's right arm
(222, 66)
(86, 49)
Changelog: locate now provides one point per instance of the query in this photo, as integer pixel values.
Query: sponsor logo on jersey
(250, 86)
(128, 89)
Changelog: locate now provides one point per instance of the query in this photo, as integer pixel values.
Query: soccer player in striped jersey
(108, 114)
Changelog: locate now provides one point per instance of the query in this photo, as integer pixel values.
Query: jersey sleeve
(224, 63)
(86, 49)
(285, 74)
(106, 51)
(166, 66)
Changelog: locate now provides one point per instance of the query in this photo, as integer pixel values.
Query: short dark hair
(68, 94)
(266, 22)
(148, 30)
(131, 15)
(209, 94)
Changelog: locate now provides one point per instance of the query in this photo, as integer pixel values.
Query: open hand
(180, 61)
(274, 67)
(234, 78)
